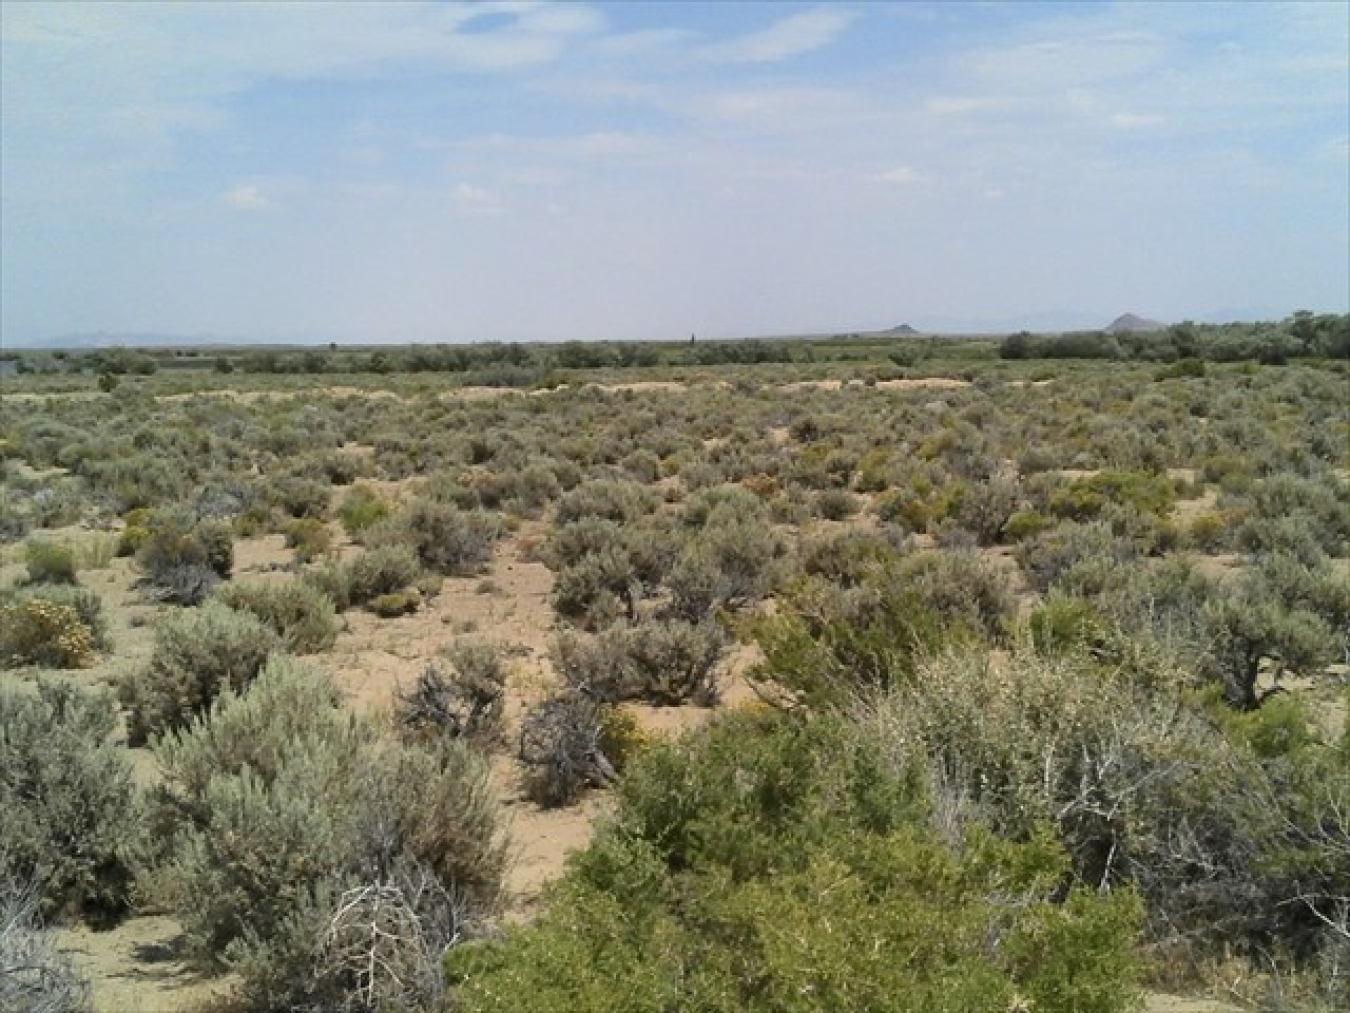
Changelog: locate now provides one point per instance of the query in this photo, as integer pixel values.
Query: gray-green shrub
(447, 540)
(197, 655)
(382, 570)
(69, 812)
(617, 500)
(660, 661)
(286, 810)
(300, 614)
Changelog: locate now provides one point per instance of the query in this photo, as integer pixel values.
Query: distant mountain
(1129, 323)
(903, 331)
(1048, 322)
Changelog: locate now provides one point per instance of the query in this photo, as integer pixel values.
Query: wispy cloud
(785, 38)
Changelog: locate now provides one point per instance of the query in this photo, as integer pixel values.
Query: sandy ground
(135, 969)
(1157, 1002)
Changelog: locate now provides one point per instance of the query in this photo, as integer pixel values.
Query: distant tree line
(512, 364)
(1304, 335)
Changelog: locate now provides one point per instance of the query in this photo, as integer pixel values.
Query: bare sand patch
(136, 966)
(923, 383)
(1158, 1002)
(640, 386)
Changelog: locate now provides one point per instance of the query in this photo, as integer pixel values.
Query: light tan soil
(135, 969)
(1157, 1002)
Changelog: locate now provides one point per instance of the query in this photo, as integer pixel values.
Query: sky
(538, 171)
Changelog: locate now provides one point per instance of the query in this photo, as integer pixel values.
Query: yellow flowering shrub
(41, 632)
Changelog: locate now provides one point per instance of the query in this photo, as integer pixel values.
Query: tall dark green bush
(777, 866)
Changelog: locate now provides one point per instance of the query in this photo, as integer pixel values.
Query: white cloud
(1135, 121)
(790, 36)
(468, 197)
(248, 197)
(900, 176)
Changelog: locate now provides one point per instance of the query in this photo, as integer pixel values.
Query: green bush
(1062, 624)
(300, 614)
(197, 655)
(1276, 729)
(305, 842)
(772, 866)
(828, 645)
(69, 813)
(1024, 524)
(310, 538)
(1084, 499)
(396, 603)
(49, 563)
(362, 508)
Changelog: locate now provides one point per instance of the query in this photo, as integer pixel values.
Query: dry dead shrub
(459, 695)
(35, 976)
(562, 749)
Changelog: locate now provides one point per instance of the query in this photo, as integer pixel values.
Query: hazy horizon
(539, 172)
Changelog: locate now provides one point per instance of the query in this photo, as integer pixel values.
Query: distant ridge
(1130, 323)
(904, 330)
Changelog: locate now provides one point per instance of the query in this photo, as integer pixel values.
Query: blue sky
(461, 172)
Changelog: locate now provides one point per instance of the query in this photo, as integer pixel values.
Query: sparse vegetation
(1047, 657)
